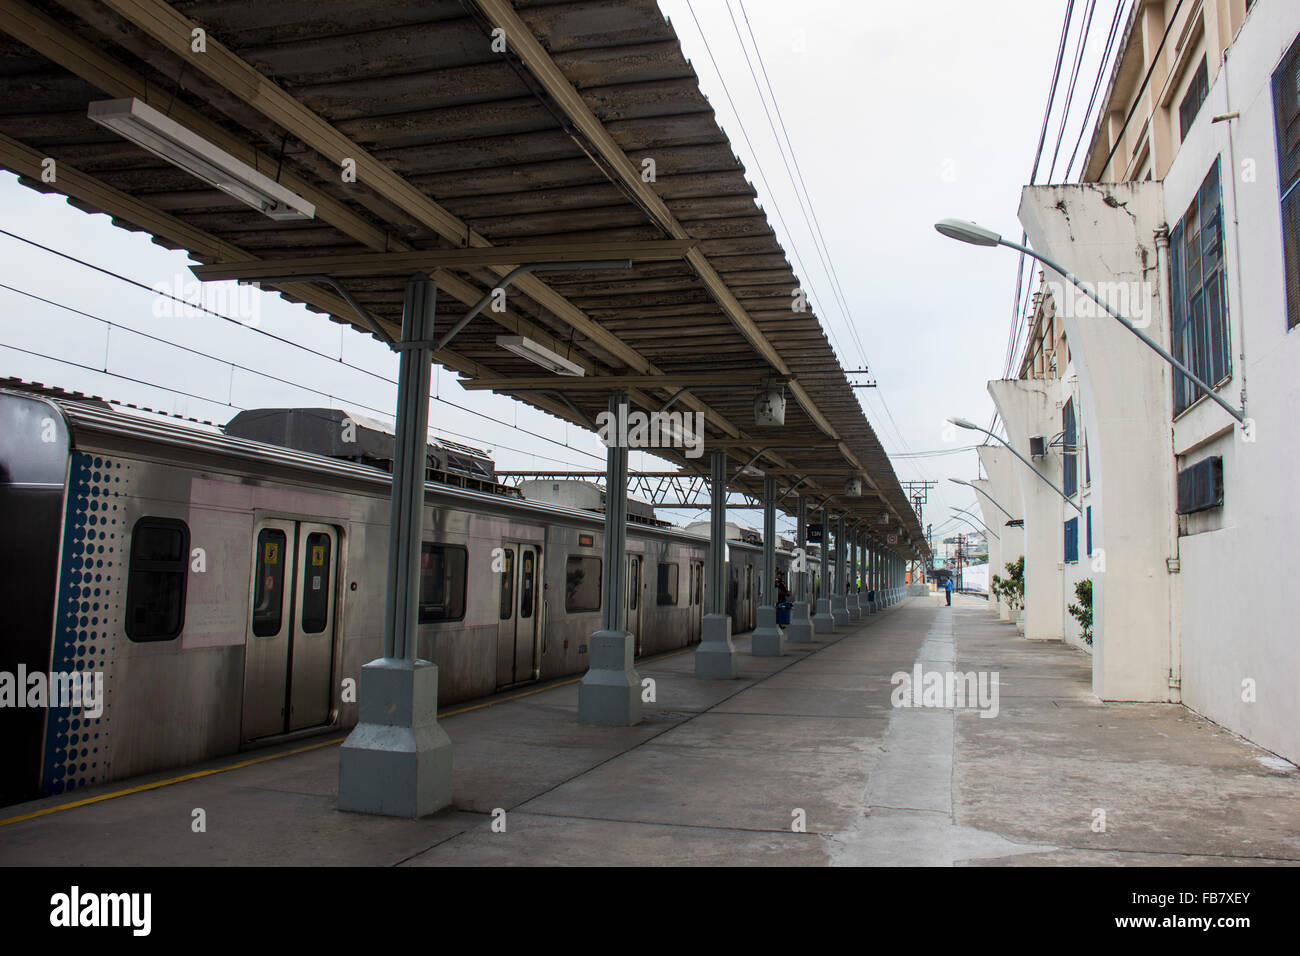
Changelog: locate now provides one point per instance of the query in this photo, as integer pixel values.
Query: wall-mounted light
(167, 139)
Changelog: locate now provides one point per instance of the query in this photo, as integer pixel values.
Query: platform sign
(814, 533)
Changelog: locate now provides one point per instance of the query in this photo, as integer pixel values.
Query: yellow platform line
(198, 774)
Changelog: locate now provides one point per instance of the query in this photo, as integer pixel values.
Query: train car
(177, 594)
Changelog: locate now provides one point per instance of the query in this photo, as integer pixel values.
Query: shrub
(1011, 589)
(1082, 612)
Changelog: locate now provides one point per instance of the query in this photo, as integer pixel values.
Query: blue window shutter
(1072, 541)
(1089, 551)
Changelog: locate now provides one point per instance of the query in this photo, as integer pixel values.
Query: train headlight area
(285, 578)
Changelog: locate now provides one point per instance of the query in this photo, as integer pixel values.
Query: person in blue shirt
(947, 590)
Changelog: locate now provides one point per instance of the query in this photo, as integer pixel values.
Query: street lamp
(979, 236)
(982, 526)
(963, 423)
(958, 481)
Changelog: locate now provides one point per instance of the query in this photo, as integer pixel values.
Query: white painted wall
(1239, 619)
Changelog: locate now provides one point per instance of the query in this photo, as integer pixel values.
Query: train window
(526, 584)
(634, 583)
(442, 582)
(155, 589)
(508, 585)
(316, 583)
(268, 592)
(667, 584)
(582, 584)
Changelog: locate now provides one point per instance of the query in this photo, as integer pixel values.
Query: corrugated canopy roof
(457, 145)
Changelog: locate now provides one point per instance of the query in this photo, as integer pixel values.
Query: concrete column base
(715, 658)
(823, 622)
(800, 630)
(854, 607)
(610, 692)
(767, 639)
(397, 760)
(840, 611)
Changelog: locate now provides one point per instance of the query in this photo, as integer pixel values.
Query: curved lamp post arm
(962, 423)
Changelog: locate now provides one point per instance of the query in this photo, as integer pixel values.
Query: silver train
(224, 592)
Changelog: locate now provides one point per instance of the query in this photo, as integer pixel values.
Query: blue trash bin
(783, 614)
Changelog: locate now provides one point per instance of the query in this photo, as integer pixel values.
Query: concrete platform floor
(722, 773)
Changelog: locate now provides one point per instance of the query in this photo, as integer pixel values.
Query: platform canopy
(424, 136)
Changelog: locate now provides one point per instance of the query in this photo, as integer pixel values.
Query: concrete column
(995, 519)
(768, 639)
(839, 599)
(1027, 409)
(610, 692)
(397, 760)
(823, 621)
(715, 658)
(1004, 485)
(801, 629)
(1126, 408)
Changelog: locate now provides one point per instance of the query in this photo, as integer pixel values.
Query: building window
(582, 583)
(1089, 551)
(1200, 294)
(1069, 462)
(1286, 117)
(155, 588)
(1193, 100)
(667, 584)
(442, 582)
(1072, 541)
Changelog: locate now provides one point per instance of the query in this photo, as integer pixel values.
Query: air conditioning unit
(1200, 486)
(1037, 446)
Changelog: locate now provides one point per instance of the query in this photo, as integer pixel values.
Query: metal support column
(715, 658)
(800, 629)
(823, 621)
(610, 693)
(839, 598)
(768, 639)
(851, 599)
(397, 760)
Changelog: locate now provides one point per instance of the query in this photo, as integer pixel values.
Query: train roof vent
(336, 433)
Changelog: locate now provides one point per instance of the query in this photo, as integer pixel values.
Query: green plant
(1082, 612)
(1011, 589)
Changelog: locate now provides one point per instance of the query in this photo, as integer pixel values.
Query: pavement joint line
(677, 826)
(240, 764)
(674, 726)
(338, 739)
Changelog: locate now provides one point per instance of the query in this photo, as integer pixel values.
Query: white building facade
(1187, 223)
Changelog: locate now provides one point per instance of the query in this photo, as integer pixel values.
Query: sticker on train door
(317, 556)
(272, 553)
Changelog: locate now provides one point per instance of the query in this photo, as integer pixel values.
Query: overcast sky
(900, 114)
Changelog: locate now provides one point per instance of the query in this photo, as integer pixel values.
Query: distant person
(947, 590)
(782, 592)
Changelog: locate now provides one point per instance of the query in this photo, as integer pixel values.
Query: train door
(519, 612)
(289, 651)
(697, 600)
(634, 567)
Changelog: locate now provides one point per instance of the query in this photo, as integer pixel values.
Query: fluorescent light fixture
(967, 232)
(539, 355)
(151, 130)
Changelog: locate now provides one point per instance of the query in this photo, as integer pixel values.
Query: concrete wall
(1106, 235)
